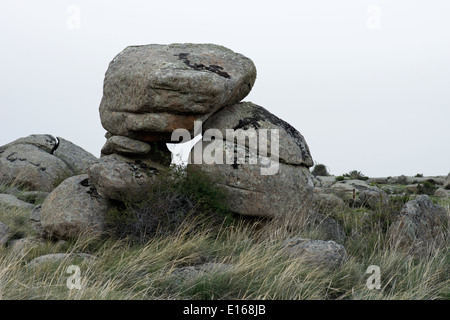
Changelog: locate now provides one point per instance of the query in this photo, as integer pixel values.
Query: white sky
(368, 92)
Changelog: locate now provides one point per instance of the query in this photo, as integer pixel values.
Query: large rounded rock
(74, 207)
(151, 90)
(420, 227)
(248, 116)
(123, 179)
(31, 167)
(286, 194)
(268, 186)
(40, 162)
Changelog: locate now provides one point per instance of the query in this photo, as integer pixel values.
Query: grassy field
(246, 262)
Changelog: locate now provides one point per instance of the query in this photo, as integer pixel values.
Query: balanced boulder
(151, 90)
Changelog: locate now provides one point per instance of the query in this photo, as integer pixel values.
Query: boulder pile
(39, 162)
(150, 91)
(157, 94)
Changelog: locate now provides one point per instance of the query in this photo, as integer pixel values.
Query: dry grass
(258, 267)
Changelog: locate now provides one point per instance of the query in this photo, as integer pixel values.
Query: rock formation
(151, 90)
(39, 162)
(285, 194)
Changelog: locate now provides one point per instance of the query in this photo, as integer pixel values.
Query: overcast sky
(367, 83)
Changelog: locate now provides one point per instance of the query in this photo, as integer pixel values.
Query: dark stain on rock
(11, 157)
(261, 114)
(92, 191)
(201, 67)
(85, 182)
(140, 168)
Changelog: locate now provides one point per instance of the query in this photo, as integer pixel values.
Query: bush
(426, 187)
(177, 202)
(355, 175)
(320, 170)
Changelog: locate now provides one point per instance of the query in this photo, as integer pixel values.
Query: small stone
(7, 200)
(328, 254)
(125, 146)
(58, 258)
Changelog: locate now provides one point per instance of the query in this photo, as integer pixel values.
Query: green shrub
(340, 178)
(355, 175)
(320, 170)
(426, 187)
(177, 202)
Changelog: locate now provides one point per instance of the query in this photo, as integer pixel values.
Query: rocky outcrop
(39, 162)
(151, 90)
(74, 207)
(286, 193)
(420, 227)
